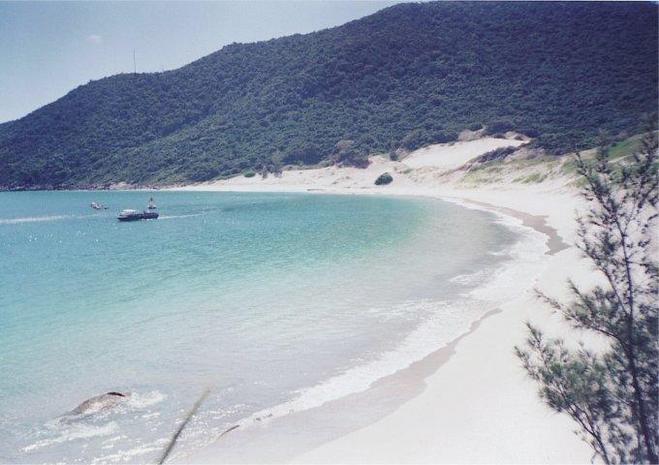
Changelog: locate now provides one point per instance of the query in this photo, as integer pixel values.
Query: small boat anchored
(98, 206)
(134, 215)
(150, 213)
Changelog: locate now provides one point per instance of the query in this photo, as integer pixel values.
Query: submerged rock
(100, 403)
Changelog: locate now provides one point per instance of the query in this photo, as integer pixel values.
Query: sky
(49, 48)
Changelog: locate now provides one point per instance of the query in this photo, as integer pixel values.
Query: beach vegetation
(305, 154)
(569, 167)
(611, 392)
(384, 179)
(408, 76)
(499, 127)
(534, 178)
(496, 154)
(625, 147)
(347, 153)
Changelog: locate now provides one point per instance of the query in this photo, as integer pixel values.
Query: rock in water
(100, 403)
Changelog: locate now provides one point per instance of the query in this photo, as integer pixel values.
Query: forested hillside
(406, 76)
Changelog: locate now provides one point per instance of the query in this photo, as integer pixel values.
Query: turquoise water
(276, 302)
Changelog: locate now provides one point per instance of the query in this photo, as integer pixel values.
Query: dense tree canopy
(406, 76)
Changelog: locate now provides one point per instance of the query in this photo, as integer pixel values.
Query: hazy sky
(49, 48)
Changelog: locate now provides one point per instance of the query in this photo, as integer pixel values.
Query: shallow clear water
(276, 302)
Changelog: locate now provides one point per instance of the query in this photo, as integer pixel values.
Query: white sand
(454, 155)
(478, 405)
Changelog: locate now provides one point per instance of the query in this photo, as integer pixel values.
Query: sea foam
(447, 322)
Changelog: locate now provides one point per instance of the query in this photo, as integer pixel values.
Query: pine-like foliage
(611, 393)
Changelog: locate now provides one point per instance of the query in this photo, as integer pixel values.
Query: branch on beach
(184, 423)
(611, 393)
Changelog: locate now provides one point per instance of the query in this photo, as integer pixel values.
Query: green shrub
(384, 179)
(347, 154)
(305, 154)
(496, 154)
(249, 174)
(499, 127)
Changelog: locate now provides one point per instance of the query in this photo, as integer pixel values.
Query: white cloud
(94, 39)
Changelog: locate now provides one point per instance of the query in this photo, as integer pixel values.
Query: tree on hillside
(612, 393)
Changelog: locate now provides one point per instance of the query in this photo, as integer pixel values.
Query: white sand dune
(476, 404)
(454, 155)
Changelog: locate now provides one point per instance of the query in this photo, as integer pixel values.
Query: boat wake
(33, 219)
(45, 218)
(172, 217)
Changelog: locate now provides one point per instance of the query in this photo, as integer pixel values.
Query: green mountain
(406, 76)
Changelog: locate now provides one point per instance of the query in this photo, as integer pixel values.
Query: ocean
(275, 303)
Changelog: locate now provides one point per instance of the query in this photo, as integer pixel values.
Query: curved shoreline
(555, 242)
(310, 428)
(498, 419)
(366, 407)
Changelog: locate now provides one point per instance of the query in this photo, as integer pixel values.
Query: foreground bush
(611, 394)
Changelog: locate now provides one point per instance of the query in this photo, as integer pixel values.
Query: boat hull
(139, 216)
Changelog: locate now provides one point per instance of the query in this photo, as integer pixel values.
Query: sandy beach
(470, 401)
(329, 232)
